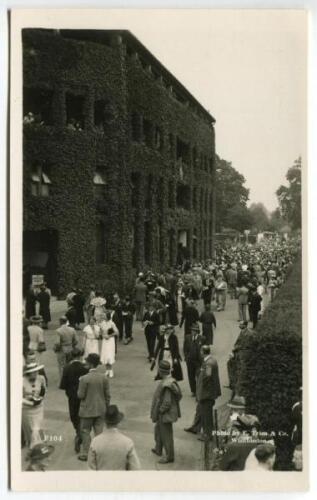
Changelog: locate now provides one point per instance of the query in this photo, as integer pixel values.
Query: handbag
(41, 347)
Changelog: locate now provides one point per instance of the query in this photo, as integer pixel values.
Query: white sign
(37, 279)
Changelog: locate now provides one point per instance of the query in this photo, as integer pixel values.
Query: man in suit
(190, 315)
(208, 320)
(151, 322)
(140, 297)
(208, 390)
(94, 395)
(192, 354)
(112, 450)
(69, 383)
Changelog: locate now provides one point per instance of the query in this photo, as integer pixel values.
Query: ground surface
(132, 389)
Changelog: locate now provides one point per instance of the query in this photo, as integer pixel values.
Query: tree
(231, 195)
(276, 221)
(289, 197)
(240, 218)
(260, 215)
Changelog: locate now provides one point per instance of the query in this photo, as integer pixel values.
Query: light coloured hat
(32, 367)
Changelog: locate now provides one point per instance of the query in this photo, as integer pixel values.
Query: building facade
(118, 161)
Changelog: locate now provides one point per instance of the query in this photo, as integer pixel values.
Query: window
(148, 130)
(99, 114)
(100, 183)
(183, 196)
(100, 243)
(75, 111)
(135, 187)
(37, 106)
(182, 151)
(40, 182)
(136, 131)
(158, 139)
(171, 200)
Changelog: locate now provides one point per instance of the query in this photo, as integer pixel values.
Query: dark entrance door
(40, 257)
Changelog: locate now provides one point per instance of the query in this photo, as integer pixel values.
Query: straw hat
(32, 367)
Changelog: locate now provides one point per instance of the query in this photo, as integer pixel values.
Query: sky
(248, 69)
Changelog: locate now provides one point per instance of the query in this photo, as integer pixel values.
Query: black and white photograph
(157, 246)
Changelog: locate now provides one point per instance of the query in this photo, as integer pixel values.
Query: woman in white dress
(108, 347)
(91, 337)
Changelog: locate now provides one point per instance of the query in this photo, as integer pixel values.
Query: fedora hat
(164, 367)
(113, 416)
(40, 450)
(238, 402)
(32, 367)
(36, 319)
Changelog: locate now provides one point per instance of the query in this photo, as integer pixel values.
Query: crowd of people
(93, 326)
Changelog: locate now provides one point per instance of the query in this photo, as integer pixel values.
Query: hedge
(272, 372)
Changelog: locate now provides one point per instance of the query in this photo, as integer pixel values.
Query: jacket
(192, 347)
(112, 450)
(70, 378)
(208, 384)
(94, 393)
(165, 403)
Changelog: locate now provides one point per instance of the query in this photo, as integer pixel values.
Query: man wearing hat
(112, 450)
(192, 354)
(39, 457)
(35, 332)
(151, 323)
(66, 339)
(69, 383)
(94, 395)
(236, 357)
(128, 310)
(165, 410)
(190, 315)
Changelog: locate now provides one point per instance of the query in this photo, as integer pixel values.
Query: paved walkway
(132, 389)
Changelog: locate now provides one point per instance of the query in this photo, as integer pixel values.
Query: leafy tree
(276, 221)
(289, 197)
(240, 218)
(260, 215)
(231, 195)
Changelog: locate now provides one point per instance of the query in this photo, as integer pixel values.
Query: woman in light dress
(108, 347)
(34, 387)
(91, 337)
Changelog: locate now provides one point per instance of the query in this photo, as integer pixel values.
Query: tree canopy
(289, 197)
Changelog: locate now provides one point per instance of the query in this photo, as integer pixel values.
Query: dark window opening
(183, 196)
(75, 118)
(40, 182)
(147, 243)
(136, 127)
(100, 183)
(182, 151)
(171, 198)
(148, 193)
(147, 130)
(100, 243)
(135, 187)
(37, 106)
(159, 142)
(100, 114)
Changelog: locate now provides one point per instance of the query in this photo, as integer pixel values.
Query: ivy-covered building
(118, 161)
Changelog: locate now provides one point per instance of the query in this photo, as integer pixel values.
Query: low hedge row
(272, 372)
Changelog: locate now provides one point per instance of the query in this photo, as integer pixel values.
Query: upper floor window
(40, 182)
(182, 151)
(75, 118)
(37, 106)
(99, 114)
(183, 196)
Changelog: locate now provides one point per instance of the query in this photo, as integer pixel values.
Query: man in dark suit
(208, 390)
(190, 315)
(192, 354)
(94, 395)
(151, 322)
(69, 383)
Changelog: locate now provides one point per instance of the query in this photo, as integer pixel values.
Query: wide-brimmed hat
(32, 367)
(113, 416)
(36, 319)
(238, 402)
(164, 367)
(40, 450)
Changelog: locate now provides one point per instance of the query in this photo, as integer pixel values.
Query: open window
(148, 132)
(40, 182)
(135, 188)
(182, 152)
(37, 106)
(75, 118)
(100, 183)
(183, 196)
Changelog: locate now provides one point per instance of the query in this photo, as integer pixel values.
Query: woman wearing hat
(39, 457)
(167, 349)
(91, 336)
(34, 387)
